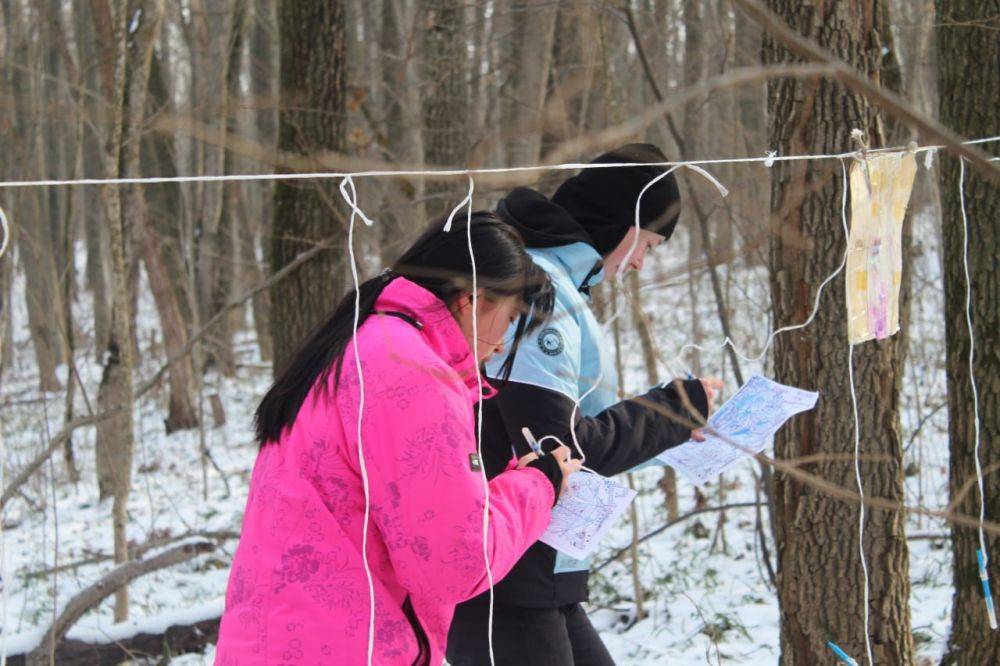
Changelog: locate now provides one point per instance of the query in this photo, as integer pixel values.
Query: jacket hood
(437, 325)
(602, 199)
(540, 222)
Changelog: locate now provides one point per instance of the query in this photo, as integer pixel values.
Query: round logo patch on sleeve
(550, 341)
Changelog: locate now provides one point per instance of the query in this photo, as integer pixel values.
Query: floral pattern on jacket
(298, 593)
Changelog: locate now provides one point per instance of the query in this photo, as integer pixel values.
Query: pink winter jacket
(297, 591)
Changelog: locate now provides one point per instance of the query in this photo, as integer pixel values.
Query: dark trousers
(527, 637)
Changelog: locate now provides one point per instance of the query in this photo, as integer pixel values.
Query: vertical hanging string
(857, 443)
(467, 202)
(352, 201)
(815, 309)
(861, 493)
(4, 244)
(982, 558)
(638, 201)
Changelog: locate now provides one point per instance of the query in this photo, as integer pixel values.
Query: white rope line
(793, 327)
(6, 232)
(857, 444)
(4, 244)
(152, 180)
(723, 191)
(562, 443)
(576, 408)
(635, 238)
(467, 202)
(972, 349)
(861, 493)
(352, 201)
(983, 559)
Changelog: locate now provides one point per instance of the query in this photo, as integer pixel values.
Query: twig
(137, 552)
(846, 75)
(22, 477)
(659, 530)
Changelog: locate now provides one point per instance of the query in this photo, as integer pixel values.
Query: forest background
(140, 323)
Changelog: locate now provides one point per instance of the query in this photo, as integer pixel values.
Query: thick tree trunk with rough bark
(445, 112)
(311, 120)
(968, 53)
(402, 120)
(820, 575)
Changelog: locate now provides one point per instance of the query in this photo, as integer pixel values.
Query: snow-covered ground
(706, 593)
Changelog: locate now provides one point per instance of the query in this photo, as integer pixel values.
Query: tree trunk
(537, 21)
(130, 60)
(212, 34)
(263, 76)
(968, 80)
(446, 133)
(820, 582)
(36, 247)
(226, 277)
(694, 122)
(311, 119)
(406, 211)
(94, 229)
(6, 320)
(181, 412)
(668, 482)
(159, 247)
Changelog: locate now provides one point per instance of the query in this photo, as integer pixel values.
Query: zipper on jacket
(400, 315)
(423, 645)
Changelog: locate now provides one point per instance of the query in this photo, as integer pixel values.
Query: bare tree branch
(108, 584)
(929, 129)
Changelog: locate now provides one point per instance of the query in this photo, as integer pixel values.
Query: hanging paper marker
(843, 656)
(987, 595)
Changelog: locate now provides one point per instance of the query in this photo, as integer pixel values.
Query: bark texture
(820, 575)
(212, 35)
(536, 21)
(125, 207)
(445, 103)
(311, 120)
(159, 241)
(969, 78)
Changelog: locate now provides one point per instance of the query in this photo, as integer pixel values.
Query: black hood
(602, 200)
(539, 221)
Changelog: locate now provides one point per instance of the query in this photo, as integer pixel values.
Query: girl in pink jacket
(298, 591)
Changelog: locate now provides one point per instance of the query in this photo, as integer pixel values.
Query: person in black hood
(585, 231)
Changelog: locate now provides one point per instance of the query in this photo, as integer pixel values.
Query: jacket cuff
(696, 394)
(548, 466)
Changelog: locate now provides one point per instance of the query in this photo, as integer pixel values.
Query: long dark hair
(439, 262)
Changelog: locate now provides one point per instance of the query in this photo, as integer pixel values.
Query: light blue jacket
(568, 354)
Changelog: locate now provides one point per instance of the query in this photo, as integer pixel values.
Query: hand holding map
(585, 512)
(750, 418)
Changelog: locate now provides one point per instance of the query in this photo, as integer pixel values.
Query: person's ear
(463, 301)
